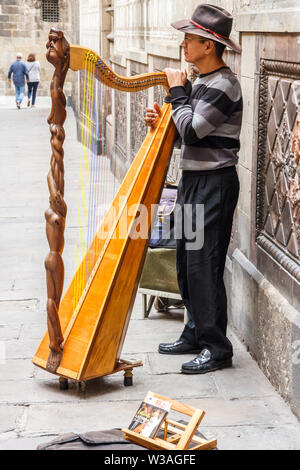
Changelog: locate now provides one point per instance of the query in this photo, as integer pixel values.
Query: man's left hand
(176, 77)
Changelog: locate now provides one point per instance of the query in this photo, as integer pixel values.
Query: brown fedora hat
(210, 22)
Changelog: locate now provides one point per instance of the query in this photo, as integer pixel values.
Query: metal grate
(50, 11)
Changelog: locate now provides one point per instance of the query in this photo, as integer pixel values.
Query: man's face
(194, 47)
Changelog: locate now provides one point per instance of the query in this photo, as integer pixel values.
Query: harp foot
(63, 383)
(128, 378)
(54, 361)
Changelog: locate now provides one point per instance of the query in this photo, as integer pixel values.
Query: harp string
(87, 175)
(76, 280)
(100, 188)
(88, 179)
(103, 187)
(82, 184)
(97, 184)
(84, 179)
(106, 156)
(90, 195)
(99, 169)
(93, 187)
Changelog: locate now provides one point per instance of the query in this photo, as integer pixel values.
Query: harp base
(64, 375)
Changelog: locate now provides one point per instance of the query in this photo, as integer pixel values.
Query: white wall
(89, 24)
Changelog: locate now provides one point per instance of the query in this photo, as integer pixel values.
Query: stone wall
(22, 30)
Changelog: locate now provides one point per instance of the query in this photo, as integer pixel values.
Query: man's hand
(152, 114)
(176, 77)
(9, 81)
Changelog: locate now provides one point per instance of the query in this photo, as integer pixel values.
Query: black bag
(96, 440)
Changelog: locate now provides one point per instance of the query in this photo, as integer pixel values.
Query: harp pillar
(59, 56)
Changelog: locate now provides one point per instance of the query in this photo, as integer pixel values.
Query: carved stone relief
(278, 203)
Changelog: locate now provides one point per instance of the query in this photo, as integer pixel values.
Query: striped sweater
(209, 120)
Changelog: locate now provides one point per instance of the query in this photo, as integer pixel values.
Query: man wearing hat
(208, 118)
(19, 71)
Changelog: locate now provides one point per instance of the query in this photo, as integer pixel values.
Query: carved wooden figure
(58, 54)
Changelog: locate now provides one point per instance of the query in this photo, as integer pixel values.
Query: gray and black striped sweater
(209, 120)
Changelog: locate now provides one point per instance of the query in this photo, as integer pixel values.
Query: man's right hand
(152, 114)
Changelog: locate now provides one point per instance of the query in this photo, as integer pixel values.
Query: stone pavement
(243, 410)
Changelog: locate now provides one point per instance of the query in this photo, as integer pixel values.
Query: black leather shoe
(204, 363)
(178, 347)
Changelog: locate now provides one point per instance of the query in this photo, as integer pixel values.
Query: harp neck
(80, 56)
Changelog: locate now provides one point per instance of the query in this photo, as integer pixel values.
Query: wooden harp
(87, 327)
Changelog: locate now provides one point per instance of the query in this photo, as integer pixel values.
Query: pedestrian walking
(33, 67)
(19, 71)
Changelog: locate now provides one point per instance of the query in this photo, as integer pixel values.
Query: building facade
(24, 27)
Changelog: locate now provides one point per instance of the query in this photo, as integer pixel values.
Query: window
(50, 11)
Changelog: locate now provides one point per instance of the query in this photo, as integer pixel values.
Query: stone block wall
(22, 30)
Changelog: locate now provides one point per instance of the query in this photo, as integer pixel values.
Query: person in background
(33, 67)
(19, 71)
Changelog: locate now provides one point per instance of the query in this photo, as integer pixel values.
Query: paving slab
(10, 332)
(242, 409)
(21, 350)
(167, 385)
(254, 437)
(247, 384)
(19, 443)
(36, 391)
(15, 370)
(266, 411)
(48, 418)
(12, 312)
(9, 416)
(33, 331)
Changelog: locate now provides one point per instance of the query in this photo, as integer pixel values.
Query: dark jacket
(19, 71)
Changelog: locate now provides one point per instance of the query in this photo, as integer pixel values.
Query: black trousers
(32, 88)
(200, 272)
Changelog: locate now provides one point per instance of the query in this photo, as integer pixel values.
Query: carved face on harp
(57, 48)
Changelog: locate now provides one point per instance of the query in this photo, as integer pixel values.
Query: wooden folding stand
(177, 436)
